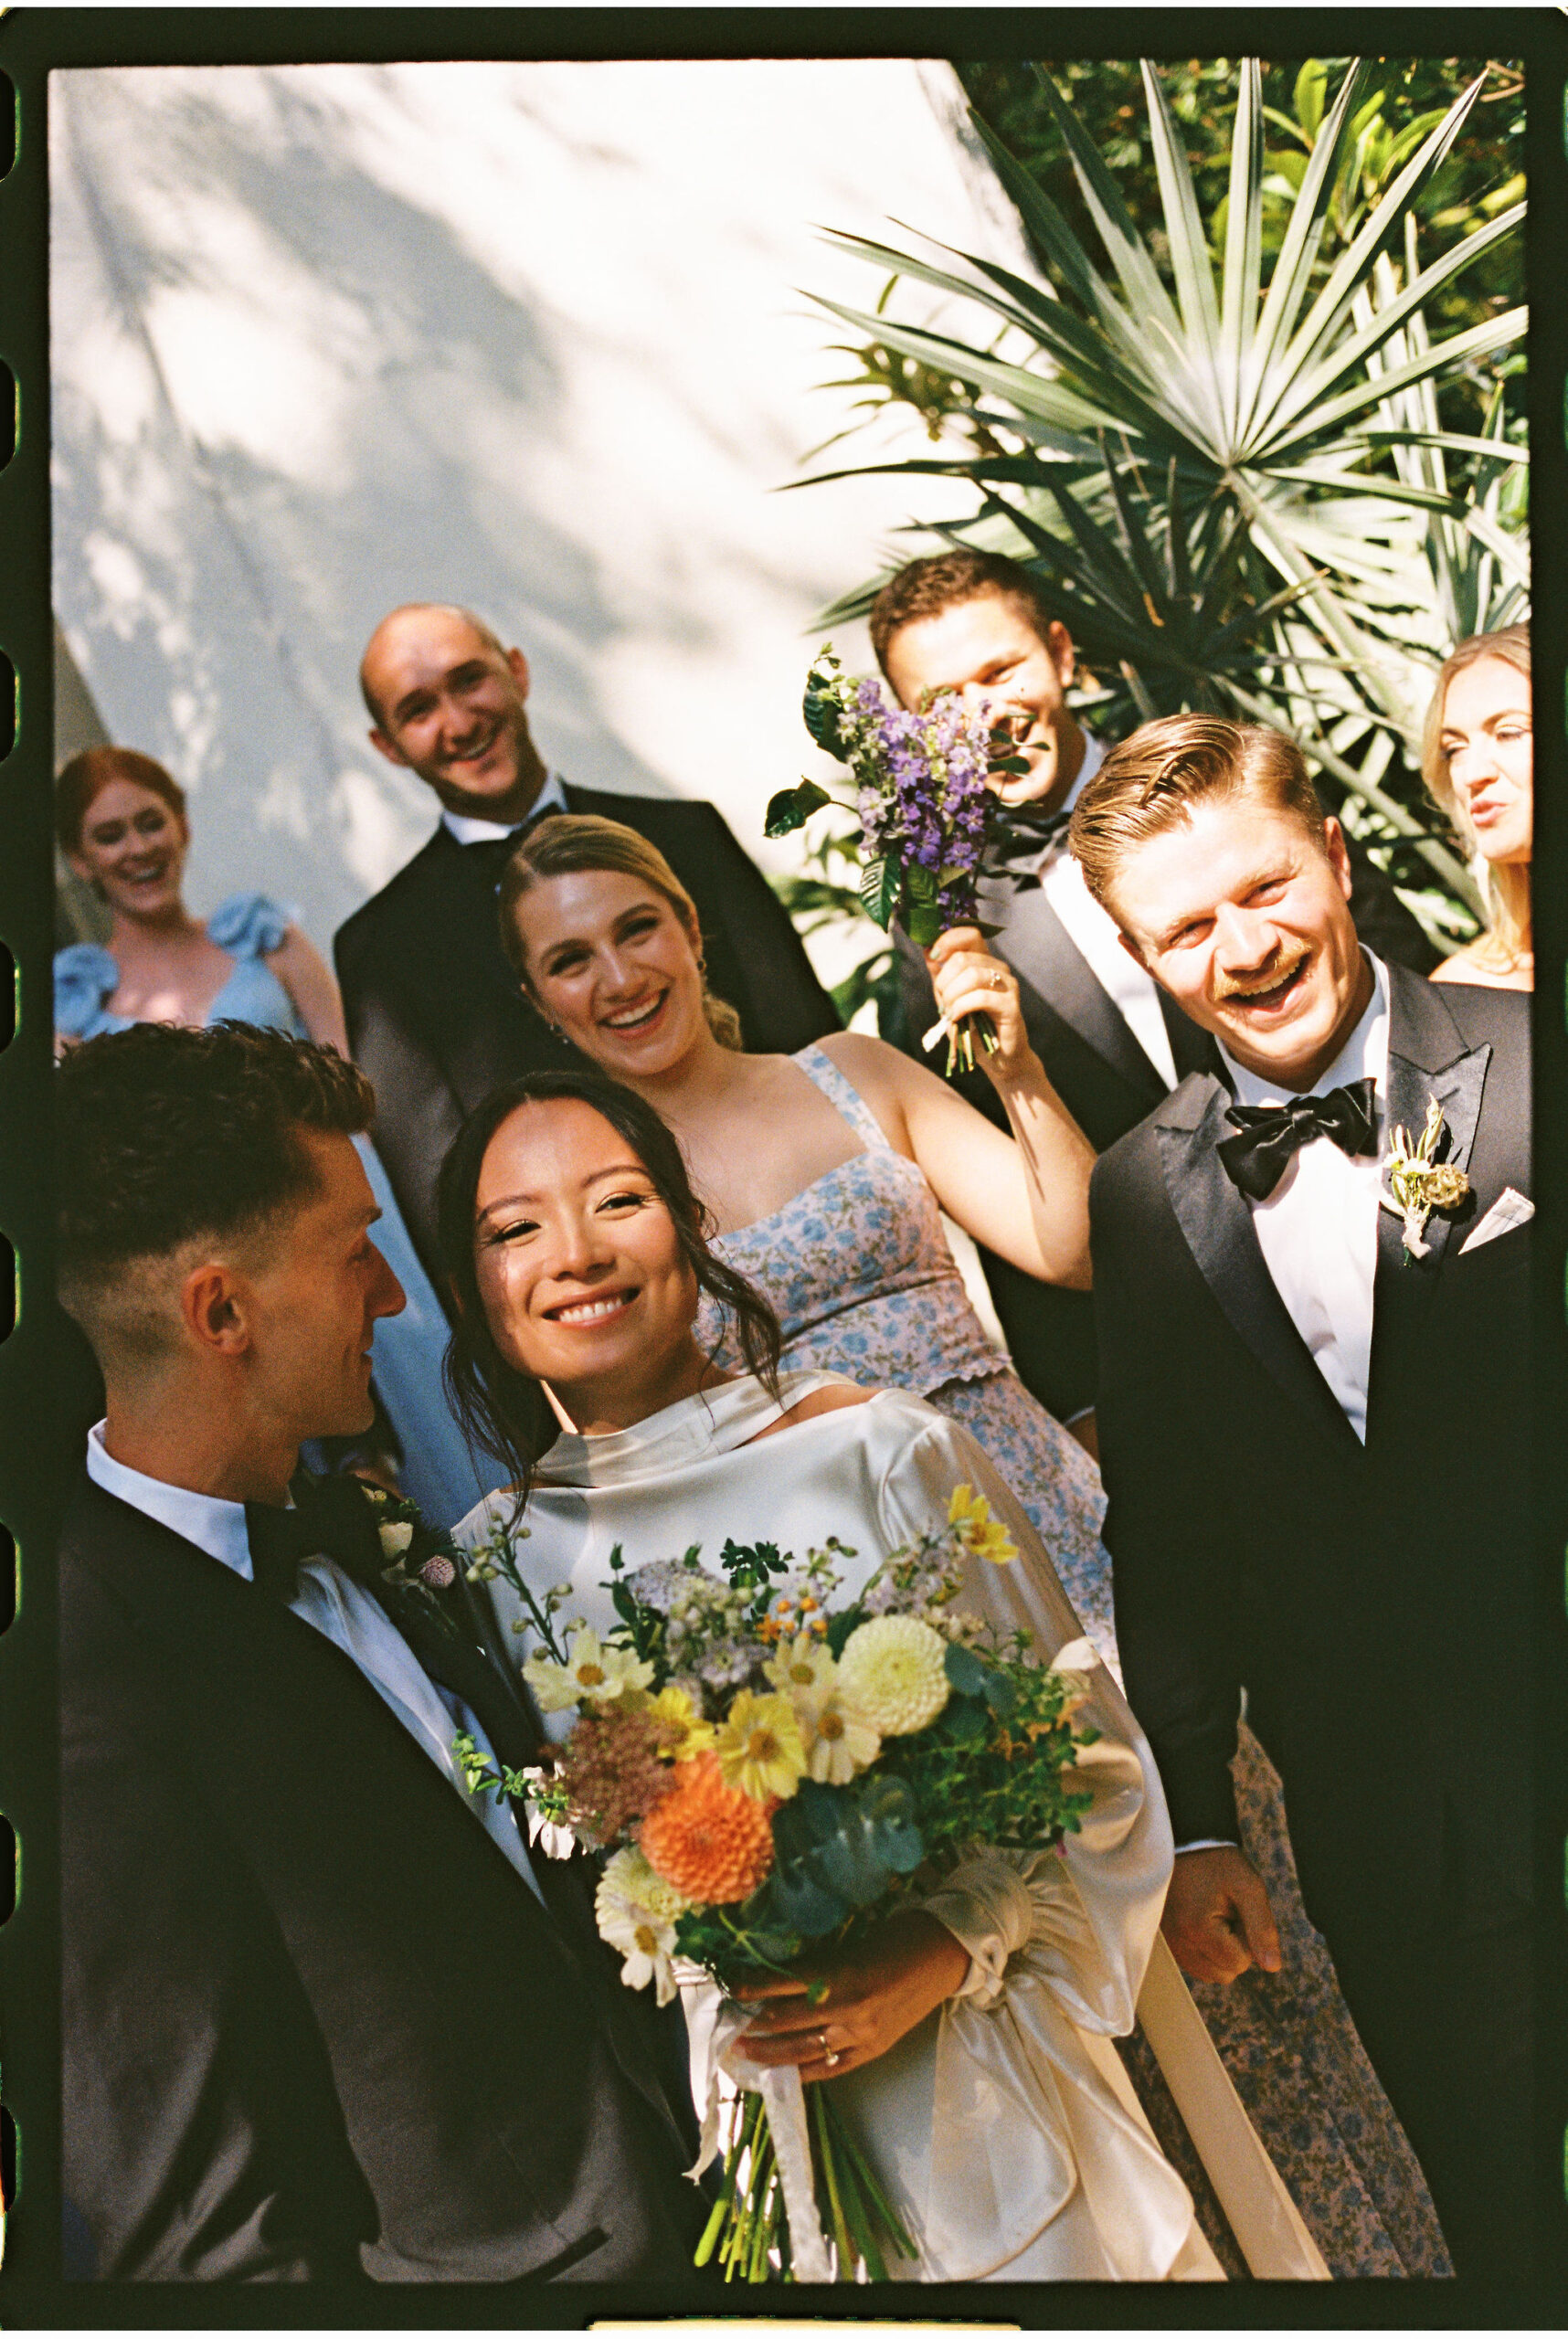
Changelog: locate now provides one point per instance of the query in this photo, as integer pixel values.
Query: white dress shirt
(1095, 934)
(552, 797)
(343, 1612)
(1318, 1230)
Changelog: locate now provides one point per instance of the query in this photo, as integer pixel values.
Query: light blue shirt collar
(214, 1525)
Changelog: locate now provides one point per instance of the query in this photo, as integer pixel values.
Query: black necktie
(1270, 1136)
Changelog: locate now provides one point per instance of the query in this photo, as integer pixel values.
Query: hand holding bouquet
(927, 813)
(774, 1776)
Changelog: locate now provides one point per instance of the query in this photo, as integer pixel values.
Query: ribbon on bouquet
(713, 2026)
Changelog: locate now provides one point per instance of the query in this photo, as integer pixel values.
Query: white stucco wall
(525, 335)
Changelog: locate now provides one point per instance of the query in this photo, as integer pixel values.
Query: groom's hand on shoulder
(1218, 1918)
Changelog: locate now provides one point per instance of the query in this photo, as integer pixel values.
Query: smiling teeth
(589, 1311)
(634, 1016)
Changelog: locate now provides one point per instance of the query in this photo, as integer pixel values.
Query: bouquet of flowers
(772, 1774)
(926, 814)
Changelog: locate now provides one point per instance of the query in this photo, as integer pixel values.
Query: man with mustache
(1316, 1437)
(1112, 1042)
(435, 1014)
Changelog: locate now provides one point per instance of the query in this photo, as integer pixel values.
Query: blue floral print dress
(859, 1272)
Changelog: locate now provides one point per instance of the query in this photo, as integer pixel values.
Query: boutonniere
(419, 1563)
(1418, 1183)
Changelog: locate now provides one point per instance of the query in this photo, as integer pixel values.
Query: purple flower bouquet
(926, 813)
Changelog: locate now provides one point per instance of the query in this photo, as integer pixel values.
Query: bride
(970, 2040)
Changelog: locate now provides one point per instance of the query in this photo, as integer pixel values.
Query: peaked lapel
(1217, 1222)
(1044, 957)
(1428, 1056)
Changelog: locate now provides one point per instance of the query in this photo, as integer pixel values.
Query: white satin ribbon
(714, 2028)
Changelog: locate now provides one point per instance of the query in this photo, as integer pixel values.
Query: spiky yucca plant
(1235, 491)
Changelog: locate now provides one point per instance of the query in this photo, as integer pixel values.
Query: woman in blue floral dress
(826, 1174)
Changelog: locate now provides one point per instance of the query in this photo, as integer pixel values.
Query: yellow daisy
(986, 1537)
(759, 1749)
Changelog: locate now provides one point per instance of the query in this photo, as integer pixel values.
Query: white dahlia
(894, 1669)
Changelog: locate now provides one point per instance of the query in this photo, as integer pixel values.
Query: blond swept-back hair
(1505, 889)
(1151, 781)
(571, 845)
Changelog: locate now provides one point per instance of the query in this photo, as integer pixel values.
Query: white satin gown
(1003, 2126)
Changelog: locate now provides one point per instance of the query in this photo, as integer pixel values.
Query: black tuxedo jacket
(435, 1015)
(314, 2023)
(1374, 1602)
(1105, 1079)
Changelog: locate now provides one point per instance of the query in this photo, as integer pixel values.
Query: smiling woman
(578, 1253)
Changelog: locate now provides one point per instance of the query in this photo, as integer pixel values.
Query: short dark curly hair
(928, 588)
(166, 1136)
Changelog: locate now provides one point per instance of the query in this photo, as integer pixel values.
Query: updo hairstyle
(573, 845)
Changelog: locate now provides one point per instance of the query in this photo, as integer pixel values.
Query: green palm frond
(1235, 487)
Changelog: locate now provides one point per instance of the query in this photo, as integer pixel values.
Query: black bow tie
(1271, 1135)
(331, 1517)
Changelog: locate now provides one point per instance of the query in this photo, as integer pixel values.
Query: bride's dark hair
(506, 1411)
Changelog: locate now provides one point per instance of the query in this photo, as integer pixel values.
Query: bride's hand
(909, 1965)
(969, 979)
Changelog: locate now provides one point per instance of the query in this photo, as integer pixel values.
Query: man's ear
(214, 1309)
(387, 746)
(518, 666)
(1339, 854)
(1063, 656)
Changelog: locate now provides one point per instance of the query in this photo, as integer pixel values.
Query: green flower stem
(830, 2174)
(763, 2218)
(876, 2199)
(722, 2207)
(754, 2132)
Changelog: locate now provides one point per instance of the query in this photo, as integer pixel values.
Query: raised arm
(1023, 1195)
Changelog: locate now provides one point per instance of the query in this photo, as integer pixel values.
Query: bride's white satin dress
(1003, 2125)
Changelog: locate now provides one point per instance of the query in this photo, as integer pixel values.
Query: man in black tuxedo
(1314, 1431)
(1111, 1040)
(323, 2016)
(435, 1014)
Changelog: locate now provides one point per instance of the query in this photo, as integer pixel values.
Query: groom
(322, 2017)
(1315, 1424)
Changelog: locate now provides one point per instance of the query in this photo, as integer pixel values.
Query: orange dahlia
(710, 1841)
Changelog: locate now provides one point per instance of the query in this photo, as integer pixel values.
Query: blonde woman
(1477, 760)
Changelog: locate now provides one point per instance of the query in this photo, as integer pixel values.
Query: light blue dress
(437, 1469)
(858, 1270)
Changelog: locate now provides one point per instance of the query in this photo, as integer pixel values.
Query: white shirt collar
(1366, 1052)
(214, 1525)
(552, 797)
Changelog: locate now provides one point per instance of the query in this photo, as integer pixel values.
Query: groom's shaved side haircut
(1151, 781)
(168, 1138)
(930, 587)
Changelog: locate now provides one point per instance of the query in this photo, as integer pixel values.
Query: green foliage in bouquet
(773, 1777)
